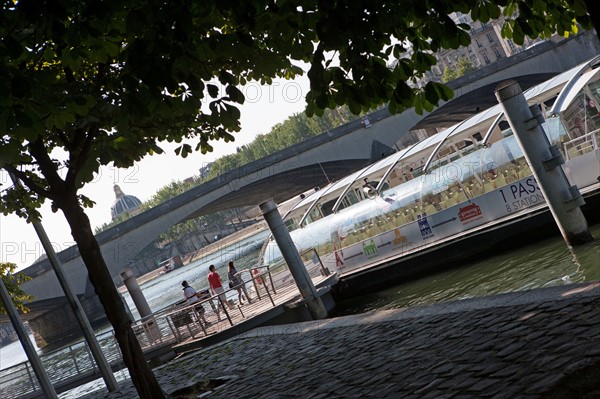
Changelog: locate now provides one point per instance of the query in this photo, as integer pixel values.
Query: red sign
(469, 212)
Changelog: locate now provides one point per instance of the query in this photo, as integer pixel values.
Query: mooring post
(292, 257)
(137, 295)
(545, 161)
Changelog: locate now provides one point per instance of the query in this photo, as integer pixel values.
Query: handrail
(62, 365)
(591, 137)
(489, 132)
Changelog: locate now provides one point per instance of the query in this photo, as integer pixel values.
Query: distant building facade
(487, 46)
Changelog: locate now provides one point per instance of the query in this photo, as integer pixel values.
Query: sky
(265, 106)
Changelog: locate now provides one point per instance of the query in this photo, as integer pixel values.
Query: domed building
(124, 203)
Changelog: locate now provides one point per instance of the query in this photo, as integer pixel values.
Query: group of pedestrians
(215, 285)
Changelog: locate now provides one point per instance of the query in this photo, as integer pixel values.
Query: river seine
(542, 264)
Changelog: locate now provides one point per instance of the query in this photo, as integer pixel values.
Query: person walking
(216, 287)
(236, 282)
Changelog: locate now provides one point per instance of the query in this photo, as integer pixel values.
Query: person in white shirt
(191, 297)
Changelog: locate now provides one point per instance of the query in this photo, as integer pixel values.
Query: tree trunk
(141, 374)
(594, 14)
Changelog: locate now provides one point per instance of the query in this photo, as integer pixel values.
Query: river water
(541, 264)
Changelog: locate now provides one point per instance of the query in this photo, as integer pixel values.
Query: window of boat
(505, 129)
(291, 224)
(402, 201)
(453, 151)
(272, 253)
(327, 207)
(317, 236)
(555, 131)
(431, 193)
(583, 114)
(350, 198)
(500, 131)
(361, 221)
(403, 172)
(313, 215)
(482, 171)
(395, 177)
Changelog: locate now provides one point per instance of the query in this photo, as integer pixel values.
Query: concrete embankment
(537, 343)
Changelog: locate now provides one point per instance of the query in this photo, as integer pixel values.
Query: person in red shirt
(216, 287)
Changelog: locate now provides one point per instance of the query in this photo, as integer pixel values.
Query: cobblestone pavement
(538, 343)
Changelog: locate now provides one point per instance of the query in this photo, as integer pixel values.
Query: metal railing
(269, 286)
(63, 365)
(582, 145)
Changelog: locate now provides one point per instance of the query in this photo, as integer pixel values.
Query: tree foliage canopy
(293, 130)
(106, 81)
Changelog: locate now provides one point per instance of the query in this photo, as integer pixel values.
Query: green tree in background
(13, 282)
(293, 130)
(86, 83)
(462, 67)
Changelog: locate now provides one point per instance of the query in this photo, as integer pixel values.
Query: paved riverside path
(537, 343)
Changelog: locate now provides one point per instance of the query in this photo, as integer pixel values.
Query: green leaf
(226, 78)
(86, 173)
(431, 94)
(20, 87)
(235, 94)
(213, 90)
(137, 108)
(57, 120)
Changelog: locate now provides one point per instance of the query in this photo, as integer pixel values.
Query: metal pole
(32, 355)
(136, 293)
(293, 260)
(88, 332)
(545, 161)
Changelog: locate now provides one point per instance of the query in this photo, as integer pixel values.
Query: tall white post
(82, 320)
(292, 257)
(545, 161)
(32, 355)
(136, 293)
